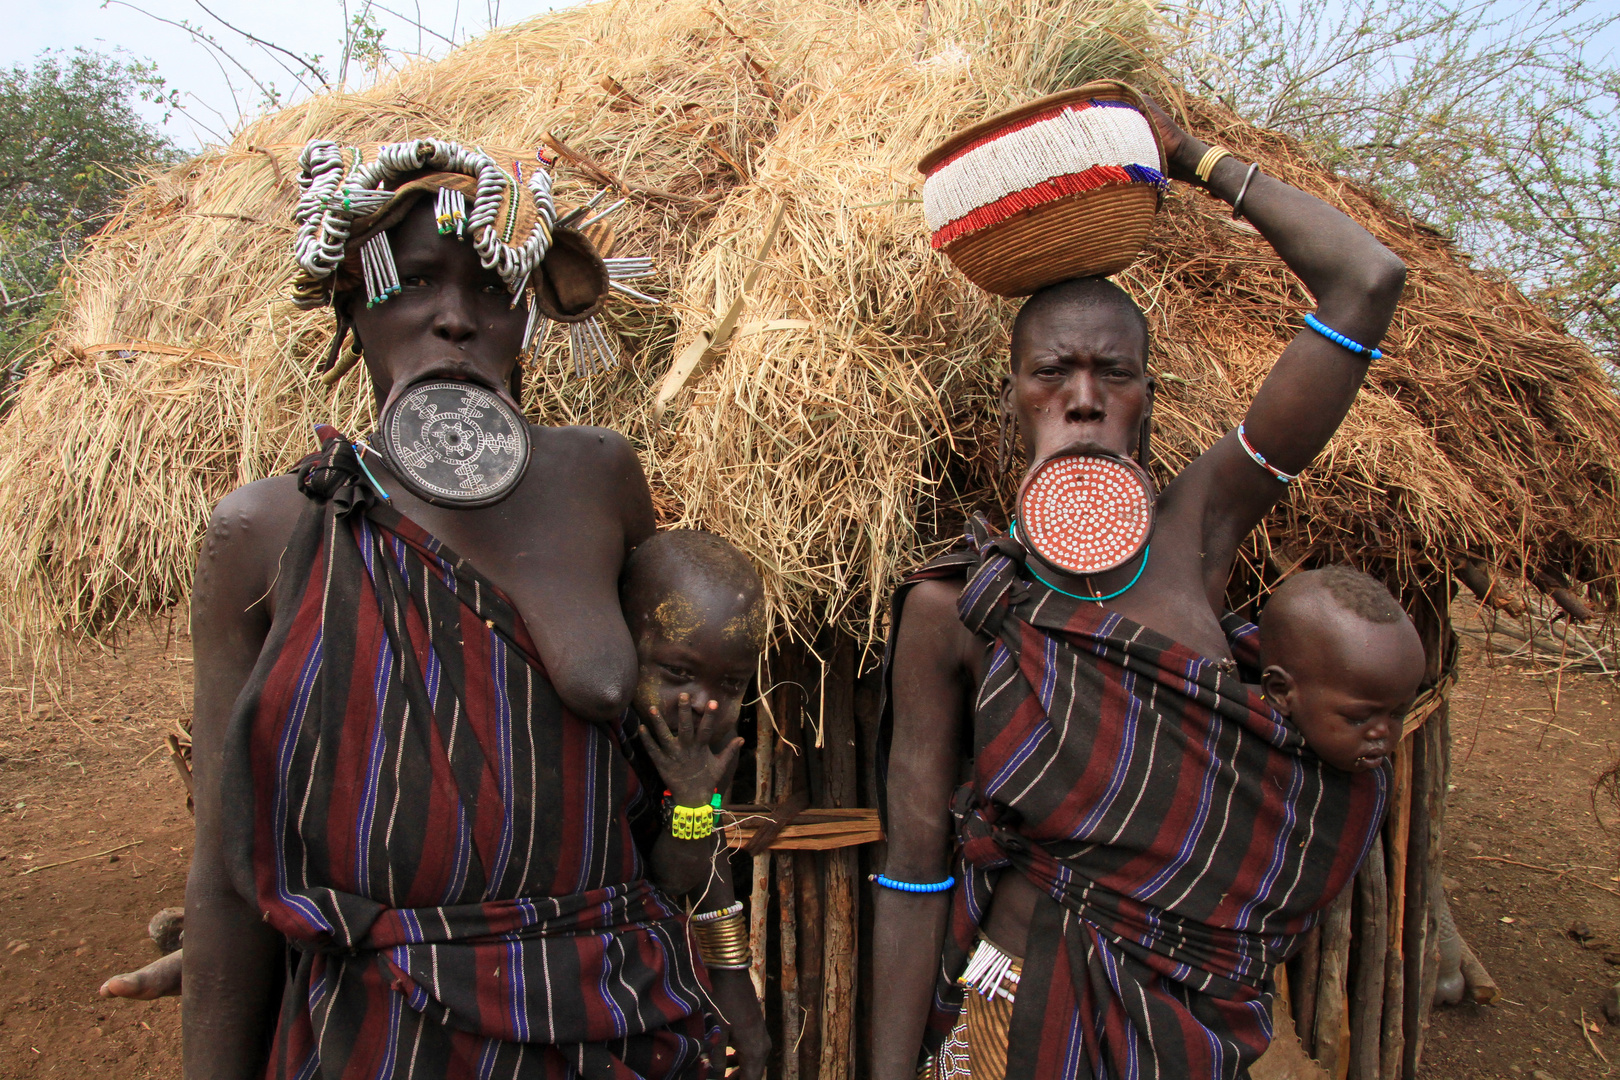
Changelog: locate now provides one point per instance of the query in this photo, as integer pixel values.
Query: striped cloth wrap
(1186, 836)
(453, 858)
(1051, 154)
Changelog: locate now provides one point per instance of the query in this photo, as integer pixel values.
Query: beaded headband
(1063, 187)
(348, 204)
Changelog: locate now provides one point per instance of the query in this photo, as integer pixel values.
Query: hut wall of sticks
(826, 401)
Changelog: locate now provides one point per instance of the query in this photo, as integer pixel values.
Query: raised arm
(231, 957)
(931, 684)
(1356, 282)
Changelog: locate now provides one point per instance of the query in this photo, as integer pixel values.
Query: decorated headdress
(1063, 187)
(348, 205)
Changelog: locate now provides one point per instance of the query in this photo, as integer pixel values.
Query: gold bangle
(723, 941)
(1207, 163)
(692, 822)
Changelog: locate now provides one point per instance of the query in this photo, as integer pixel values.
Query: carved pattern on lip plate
(1086, 514)
(455, 443)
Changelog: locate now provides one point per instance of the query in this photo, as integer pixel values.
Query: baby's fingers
(654, 751)
(686, 720)
(661, 729)
(705, 730)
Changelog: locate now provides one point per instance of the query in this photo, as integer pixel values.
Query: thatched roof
(851, 420)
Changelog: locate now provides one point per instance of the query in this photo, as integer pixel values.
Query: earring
(340, 333)
(331, 370)
(1004, 440)
(336, 347)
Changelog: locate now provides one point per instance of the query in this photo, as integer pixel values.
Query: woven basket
(1093, 232)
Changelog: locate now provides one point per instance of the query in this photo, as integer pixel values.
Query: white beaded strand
(451, 213)
(381, 275)
(334, 196)
(989, 971)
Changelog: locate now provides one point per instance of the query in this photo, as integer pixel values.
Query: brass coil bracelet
(722, 937)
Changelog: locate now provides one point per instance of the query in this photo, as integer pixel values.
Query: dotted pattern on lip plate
(1085, 514)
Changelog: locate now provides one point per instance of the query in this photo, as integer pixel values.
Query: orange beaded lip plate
(1086, 513)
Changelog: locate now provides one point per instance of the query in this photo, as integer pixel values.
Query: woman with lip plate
(1141, 838)
(418, 850)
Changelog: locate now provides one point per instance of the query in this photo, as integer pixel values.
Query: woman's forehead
(1081, 329)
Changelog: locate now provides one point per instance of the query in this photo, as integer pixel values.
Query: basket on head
(1062, 187)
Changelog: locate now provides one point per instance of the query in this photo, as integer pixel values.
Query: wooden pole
(788, 777)
(1397, 835)
(811, 983)
(792, 1013)
(1304, 983)
(1332, 1017)
(838, 1000)
(1414, 934)
(1371, 943)
(1422, 933)
(1483, 584)
(843, 791)
(759, 896)
(1424, 872)
(807, 868)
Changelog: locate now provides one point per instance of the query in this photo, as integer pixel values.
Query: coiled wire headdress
(348, 204)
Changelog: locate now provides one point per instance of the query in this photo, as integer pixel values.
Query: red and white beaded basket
(1063, 187)
(1086, 513)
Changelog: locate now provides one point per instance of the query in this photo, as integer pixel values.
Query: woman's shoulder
(582, 446)
(257, 508)
(595, 472)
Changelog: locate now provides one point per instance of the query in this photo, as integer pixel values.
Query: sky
(306, 27)
(301, 26)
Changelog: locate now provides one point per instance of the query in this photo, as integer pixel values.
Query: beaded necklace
(1141, 566)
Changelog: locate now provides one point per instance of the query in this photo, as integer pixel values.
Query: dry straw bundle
(848, 421)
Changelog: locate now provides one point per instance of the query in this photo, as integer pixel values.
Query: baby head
(1343, 662)
(696, 610)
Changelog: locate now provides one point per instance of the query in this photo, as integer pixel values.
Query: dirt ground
(83, 770)
(1527, 857)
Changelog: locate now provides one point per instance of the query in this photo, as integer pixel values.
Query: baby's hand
(686, 760)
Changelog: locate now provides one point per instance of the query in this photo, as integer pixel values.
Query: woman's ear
(572, 283)
(1277, 686)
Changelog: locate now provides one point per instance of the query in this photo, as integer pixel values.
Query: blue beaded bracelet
(910, 886)
(1339, 339)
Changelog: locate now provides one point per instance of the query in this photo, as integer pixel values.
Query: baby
(696, 610)
(1342, 662)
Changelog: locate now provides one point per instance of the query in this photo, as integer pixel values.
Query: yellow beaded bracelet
(692, 822)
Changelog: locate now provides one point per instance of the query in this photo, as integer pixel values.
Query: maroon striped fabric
(1187, 836)
(450, 854)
